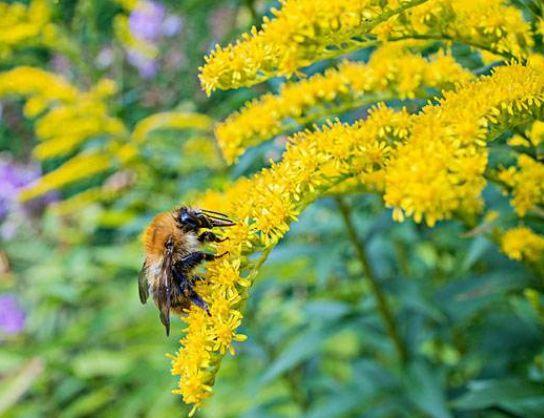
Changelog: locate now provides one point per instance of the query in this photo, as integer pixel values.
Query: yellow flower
(536, 134)
(128, 5)
(170, 120)
(526, 182)
(67, 118)
(302, 32)
(22, 25)
(489, 25)
(306, 31)
(522, 244)
(37, 83)
(431, 164)
(264, 206)
(440, 168)
(80, 121)
(391, 72)
(77, 168)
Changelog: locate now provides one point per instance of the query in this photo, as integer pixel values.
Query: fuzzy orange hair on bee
(172, 245)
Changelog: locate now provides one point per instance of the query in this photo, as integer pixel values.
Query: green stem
(384, 309)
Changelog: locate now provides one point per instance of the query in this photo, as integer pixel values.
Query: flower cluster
(301, 32)
(13, 177)
(55, 102)
(83, 115)
(264, 206)
(526, 182)
(522, 243)
(392, 72)
(489, 25)
(440, 169)
(41, 87)
(536, 133)
(25, 25)
(428, 164)
(306, 31)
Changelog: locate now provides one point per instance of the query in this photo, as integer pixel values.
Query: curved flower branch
(307, 31)
(265, 204)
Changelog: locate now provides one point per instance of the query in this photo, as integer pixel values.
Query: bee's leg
(186, 288)
(197, 278)
(209, 236)
(181, 279)
(192, 260)
(197, 300)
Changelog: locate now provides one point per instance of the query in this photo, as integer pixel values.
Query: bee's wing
(143, 284)
(164, 293)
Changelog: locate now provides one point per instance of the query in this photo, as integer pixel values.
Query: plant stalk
(384, 309)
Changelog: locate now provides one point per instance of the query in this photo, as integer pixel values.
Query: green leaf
(302, 348)
(425, 389)
(515, 395)
(89, 404)
(100, 363)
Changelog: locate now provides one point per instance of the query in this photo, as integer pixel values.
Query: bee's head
(192, 219)
(187, 219)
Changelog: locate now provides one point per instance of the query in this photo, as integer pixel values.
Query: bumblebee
(172, 245)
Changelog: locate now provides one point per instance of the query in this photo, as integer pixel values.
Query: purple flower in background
(146, 19)
(171, 26)
(13, 178)
(150, 22)
(12, 316)
(147, 67)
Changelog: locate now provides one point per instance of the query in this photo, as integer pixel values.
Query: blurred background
(74, 339)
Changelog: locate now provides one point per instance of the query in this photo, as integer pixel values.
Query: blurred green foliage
(471, 319)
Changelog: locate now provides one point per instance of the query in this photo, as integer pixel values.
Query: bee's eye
(187, 220)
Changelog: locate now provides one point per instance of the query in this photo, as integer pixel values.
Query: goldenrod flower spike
(264, 206)
(22, 25)
(522, 244)
(306, 31)
(44, 87)
(489, 25)
(392, 72)
(448, 139)
(440, 168)
(77, 168)
(301, 32)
